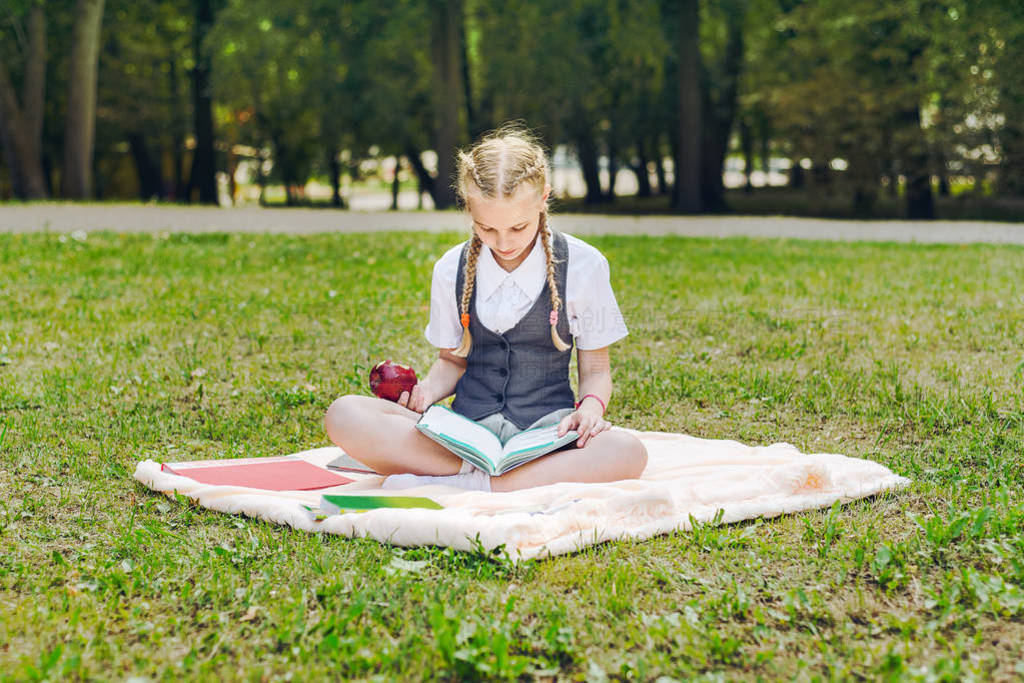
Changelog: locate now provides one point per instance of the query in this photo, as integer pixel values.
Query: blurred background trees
(832, 103)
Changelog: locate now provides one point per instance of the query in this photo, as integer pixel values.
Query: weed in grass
(474, 649)
(823, 538)
(478, 563)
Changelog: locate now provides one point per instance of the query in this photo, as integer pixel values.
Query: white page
(445, 421)
(531, 439)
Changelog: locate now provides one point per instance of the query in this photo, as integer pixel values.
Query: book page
(449, 424)
(539, 438)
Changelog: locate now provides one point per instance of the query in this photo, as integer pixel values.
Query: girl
(517, 290)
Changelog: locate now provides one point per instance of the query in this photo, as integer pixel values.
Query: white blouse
(503, 298)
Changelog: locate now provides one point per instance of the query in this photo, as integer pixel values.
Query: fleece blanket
(687, 480)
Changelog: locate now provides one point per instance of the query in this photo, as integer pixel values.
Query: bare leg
(609, 456)
(382, 435)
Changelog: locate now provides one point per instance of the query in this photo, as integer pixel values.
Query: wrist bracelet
(604, 408)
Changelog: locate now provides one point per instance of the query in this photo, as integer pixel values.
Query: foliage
(880, 96)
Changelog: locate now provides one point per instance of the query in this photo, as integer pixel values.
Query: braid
(531, 172)
(468, 280)
(470, 169)
(544, 234)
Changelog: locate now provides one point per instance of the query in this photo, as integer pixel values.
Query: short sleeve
(443, 331)
(594, 316)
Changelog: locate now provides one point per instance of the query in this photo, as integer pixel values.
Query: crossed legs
(382, 435)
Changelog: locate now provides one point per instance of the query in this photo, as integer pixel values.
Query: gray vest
(519, 373)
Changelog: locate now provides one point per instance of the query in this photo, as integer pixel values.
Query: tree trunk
(203, 176)
(177, 132)
(34, 100)
(232, 164)
(447, 32)
(720, 112)
(613, 167)
(10, 160)
(944, 190)
(21, 129)
(150, 178)
(335, 167)
(862, 174)
(1011, 164)
(889, 172)
(797, 180)
(80, 124)
(863, 201)
(764, 133)
(396, 184)
(659, 167)
(712, 158)
(586, 148)
(747, 143)
(920, 203)
(686, 191)
(48, 174)
(643, 179)
(422, 174)
(283, 163)
(821, 176)
(261, 180)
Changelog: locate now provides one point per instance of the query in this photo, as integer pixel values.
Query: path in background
(66, 218)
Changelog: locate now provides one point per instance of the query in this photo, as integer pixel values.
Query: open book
(480, 446)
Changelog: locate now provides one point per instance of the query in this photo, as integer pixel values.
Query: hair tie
(465, 319)
(553, 318)
(604, 408)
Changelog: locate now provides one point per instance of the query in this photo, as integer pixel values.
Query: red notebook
(272, 475)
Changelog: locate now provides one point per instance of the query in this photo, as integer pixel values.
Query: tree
(720, 80)
(633, 63)
(21, 123)
(999, 56)
(264, 61)
(80, 121)
(142, 101)
(686, 194)
(851, 83)
(203, 177)
(448, 95)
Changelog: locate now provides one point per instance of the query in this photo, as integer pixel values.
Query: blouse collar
(528, 275)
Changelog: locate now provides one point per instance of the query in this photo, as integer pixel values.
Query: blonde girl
(506, 308)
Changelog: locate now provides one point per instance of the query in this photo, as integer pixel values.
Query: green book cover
(335, 503)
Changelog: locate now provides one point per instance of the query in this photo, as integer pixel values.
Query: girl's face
(508, 226)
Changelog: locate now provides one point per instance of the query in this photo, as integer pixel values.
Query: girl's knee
(342, 414)
(640, 456)
(633, 454)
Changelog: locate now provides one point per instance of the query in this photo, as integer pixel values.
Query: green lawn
(118, 348)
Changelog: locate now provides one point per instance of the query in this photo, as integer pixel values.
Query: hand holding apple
(420, 398)
(388, 380)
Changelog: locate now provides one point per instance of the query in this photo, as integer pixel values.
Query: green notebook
(480, 446)
(332, 504)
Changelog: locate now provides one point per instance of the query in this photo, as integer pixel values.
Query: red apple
(389, 379)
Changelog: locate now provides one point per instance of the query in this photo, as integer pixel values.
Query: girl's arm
(439, 383)
(595, 377)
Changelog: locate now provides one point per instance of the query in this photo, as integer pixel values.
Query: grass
(116, 348)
